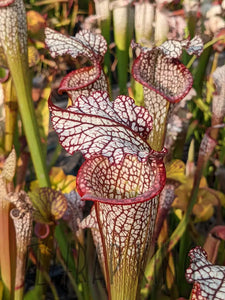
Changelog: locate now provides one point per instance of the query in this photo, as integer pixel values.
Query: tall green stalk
(154, 266)
(103, 11)
(123, 28)
(143, 31)
(13, 38)
(11, 109)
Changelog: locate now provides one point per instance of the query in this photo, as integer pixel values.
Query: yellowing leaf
(62, 182)
(163, 236)
(221, 197)
(176, 170)
(49, 205)
(203, 183)
(204, 209)
(70, 184)
(57, 175)
(1, 290)
(179, 213)
(203, 212)
(39, 45)
(170, 271)
(34, 185)
(44, 249)
(35, 22)
(33, 56)
(206, 200)
(59, 181)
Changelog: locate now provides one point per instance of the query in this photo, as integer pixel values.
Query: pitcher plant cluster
(128, 175)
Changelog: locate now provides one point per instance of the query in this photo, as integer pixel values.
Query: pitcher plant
(122, 174)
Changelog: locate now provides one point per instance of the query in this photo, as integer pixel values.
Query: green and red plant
(122, 174)
(127, 175)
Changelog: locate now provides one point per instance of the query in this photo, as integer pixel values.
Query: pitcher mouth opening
(122, 184)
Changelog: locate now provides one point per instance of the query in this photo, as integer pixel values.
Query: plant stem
(30, 125)
(184, 246)
(103, 11)
(67, 257)
(94, 279)
(45, 249)
(107, 275)
(10, 114)
(210, 43)
(13, 21)
(156, 262)
(18, 295)
(7, 250)
(71, 277)
(122, 34)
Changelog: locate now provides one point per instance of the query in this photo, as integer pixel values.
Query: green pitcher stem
(67, 259)
(103, 11)
(14, 42)
(157, 135)
(122, 34)
(154, 266)
(138, 93)
(28, 117)
(18, 295)
(11, 109)
(125, 252)
(20, 275)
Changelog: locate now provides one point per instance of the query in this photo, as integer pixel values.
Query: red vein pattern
(121, 174)
(207, 146)
(85, 43)
(164, 77)
(209, 279)
(162, 73)
(196, 292)
(126, 201)
(83, 82)
(128, 232)
(22, 215)
(94, 125)
(126, 183)
(158, 109)
(87, 79)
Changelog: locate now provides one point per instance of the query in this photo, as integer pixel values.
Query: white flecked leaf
(209, 279)
(84, 44)
(94, 125)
